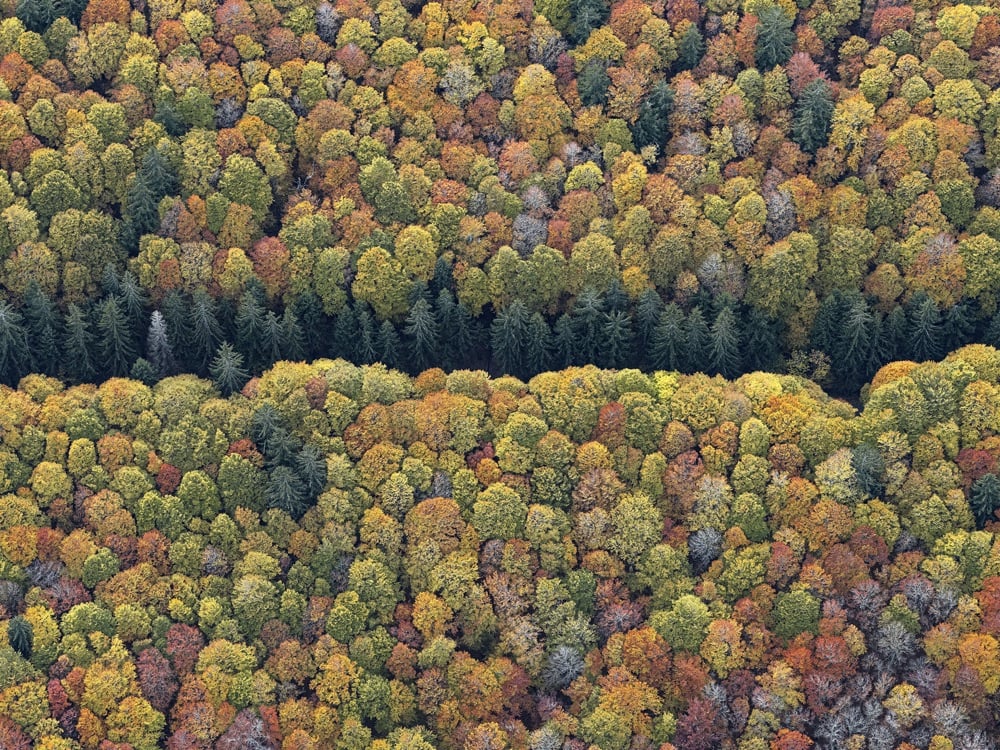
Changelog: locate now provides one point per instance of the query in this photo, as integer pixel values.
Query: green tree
(538, 350)
(593, 82)
(78, 345)
(42, 325)
(668, 341)
(925, 329)
(796, 612)
(286, 491)
(984, 498)
(775, 38)
(422, 336)
(251, 318)
(690, 49)
(724, 344)
(204, 334)
(585, 16)
(158, 349)
(652, 126)
(616, 342)
(116, 345)
(697, 342)
(20, 636)
(227, 370)
(508, 338)
(813, 115)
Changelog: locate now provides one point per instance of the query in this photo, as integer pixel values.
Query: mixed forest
(499, 375)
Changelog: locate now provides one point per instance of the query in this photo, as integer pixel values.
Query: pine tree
(697, 342)
(272, 340)
(286, 491)
(651, 127)
(761, 342)
(813, 115)
(227, 370)
(345, 334)
(422, 336)
(15, 358)
(563, 344)
(691, 49)
(367, 344)
(647, 316)
(42, 325)
(616, 342)
(78, 345)
(251, 321)
(116, 347)
(158, 350)
(926, 339)
(588, 324)
(389, 346)
(203, 334)
(724, 347)
(508, 338)
(585, 16)
(538, 350)
(314, 323)
(775, 38)
(21, 636)
(293, 339)
(592, 83)
(669, 340)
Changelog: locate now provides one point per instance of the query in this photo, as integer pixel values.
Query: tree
(592, 83)
(20, 636)
(14, 353)
(227, 370)
(78, 345)
(984, 498)
(423, 336)
(509, 336)
(668, 341)
(616, 342)
(813, 115)
(584, 17)
(691, 48)
(159, 352)
(389, 347)
(652, 125)
(37, 15)
(116, 346)
(588, 324)
(697, 342)
(286, 491)
(204, 334)
(42, 325)
(775, 38)
(251, 318)
(925, 330)
(724, 344)
(538, 350)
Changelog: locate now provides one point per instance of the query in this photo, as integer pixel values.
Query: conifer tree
(761, 345)
(227, 370)
(895, 333)
(314, 323)
(984, 498)
(724, 347)
(42, 324)
(669, 340)
(592, 83)
(204, 333)
(159, 352)
(366, 350)
(690, 49)
(588, 324)
(37, 15)
(20, 636)
(271, 340)
(585, 16)
(647, 316)
(959, 326)
(345, 333)
(389, 346)
(926, 339)
(652, 126)
(813, 115)
(251, 320)
(143, 371)
(293, 346)
(563, 342)
(14, 355)
(616, 342)
(133, 301)
(286, 491)
(115, 343)
(538, 350)
(697, 340)
(508, 338)
(852, 348)
(175, 310)
(78, 345)
(310, 465)
(775, 38)
(422, 336)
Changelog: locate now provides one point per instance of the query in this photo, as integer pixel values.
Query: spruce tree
(389, 347)
(813, 115)
(310, 465)
(652, 126)
(115, 338)
(42, 324)
(984, 498)
(293, 346)
(538, 351)
(78, 345)
(826, 326)
(852, 348)
(761, 342)
(691, 49)
(895, 334)
(592, 83)
(227, 370)
(15, 359)
(366, 350)
(314, 323)
(588, 325)
(508, 338)
(926, 334)
(133, 302)
(725, 357)
(585, 16)
(345, 334)
(37, 15)
(446, 315)
(775, 38)
(422, 336)
(286, 491)
(697, 342)
(175, 310)
(647, 317)
(669, 340)
(251, 319)
(272, 340)
(21, 636)
(143, 371)
(159, 352)
(616, 342)
(204, 333)
(959, 325)
(563, 342)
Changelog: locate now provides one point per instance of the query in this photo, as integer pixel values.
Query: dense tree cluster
(398, 172)
(345, 557)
